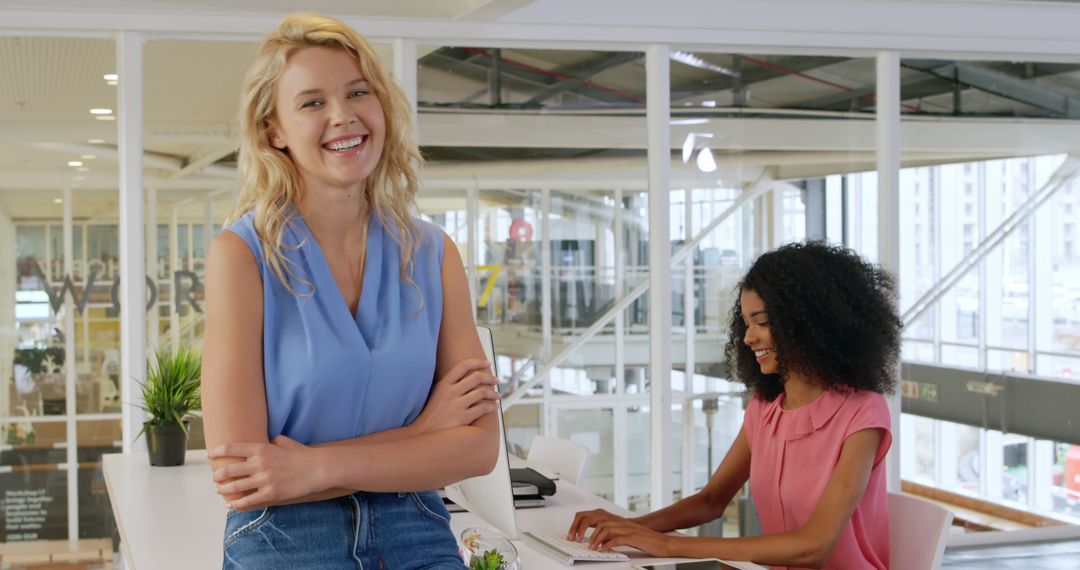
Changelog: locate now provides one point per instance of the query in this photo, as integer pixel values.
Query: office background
(561, 138)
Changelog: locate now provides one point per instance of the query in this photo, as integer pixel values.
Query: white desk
(171, 518)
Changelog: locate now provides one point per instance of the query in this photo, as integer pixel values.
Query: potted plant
(171, 397)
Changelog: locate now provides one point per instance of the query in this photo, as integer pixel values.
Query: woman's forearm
(784, 549)
(422, 462)
(689, 512)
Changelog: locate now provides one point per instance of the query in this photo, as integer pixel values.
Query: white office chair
(566, 458)
(918, 530)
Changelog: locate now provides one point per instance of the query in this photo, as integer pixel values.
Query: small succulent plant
(489, 560)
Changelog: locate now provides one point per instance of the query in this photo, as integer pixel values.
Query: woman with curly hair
(343, 378)
(815, 336)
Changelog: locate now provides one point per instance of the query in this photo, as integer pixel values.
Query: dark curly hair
(832, 316)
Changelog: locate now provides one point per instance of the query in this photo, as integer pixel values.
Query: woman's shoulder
(430, 237)
(868, 406)
(244, 226)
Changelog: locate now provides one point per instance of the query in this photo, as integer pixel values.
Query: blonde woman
(342, 374)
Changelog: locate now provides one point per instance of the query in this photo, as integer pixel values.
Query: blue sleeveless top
(332, 375)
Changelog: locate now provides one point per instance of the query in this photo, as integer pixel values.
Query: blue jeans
(365, 531)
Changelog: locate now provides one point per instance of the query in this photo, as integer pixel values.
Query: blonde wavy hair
(269, 181)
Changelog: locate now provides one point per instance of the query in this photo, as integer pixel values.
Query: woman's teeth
(345, 144)
(762, 352)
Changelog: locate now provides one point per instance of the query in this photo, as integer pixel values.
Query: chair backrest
(566, 458)
(918, 530)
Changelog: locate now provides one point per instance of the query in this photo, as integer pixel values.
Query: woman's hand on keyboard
(585, 520)
(611, 533)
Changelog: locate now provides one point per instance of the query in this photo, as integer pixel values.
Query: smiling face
(758, 335)
(327, 117)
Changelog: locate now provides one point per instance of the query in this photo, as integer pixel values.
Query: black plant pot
(166, 444)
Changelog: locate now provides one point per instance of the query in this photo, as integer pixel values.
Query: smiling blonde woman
(342, 375)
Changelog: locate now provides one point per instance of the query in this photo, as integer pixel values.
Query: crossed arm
(454, 438)
(807, 546)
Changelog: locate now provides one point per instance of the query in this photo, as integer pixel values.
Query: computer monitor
(491, 496)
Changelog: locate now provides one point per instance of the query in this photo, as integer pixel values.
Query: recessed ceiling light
(82, 169)
(688, 121)
(111, 83)
(105, 118)
(96, 141)
(74, 163)
(708, 103)
(87, 157)
(100, 111)
(58, 200)
(111, 77)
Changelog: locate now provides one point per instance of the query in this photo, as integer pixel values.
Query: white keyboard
(569, 552)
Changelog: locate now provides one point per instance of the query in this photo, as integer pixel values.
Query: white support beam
(199, 161)
(153, 327)
(70, 377)
(888, 167)
(129, 57)
(658, 97)
(490, 10)
(405, 73)
(826, 133)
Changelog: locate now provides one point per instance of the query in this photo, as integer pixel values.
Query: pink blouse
(792, 456)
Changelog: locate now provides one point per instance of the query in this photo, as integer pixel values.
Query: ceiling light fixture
(74, 163)
(100, 111)
(111, 77)
(688, 147)
(96, 141)
(708, 103)
(705, 160)
(58, 200)
(87, 157)
(105, 118)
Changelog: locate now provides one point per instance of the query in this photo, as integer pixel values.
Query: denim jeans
(365, 531)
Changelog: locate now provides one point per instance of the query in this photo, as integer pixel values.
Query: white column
(992, 213)
(405, 74)
(1041, 469)
(994, 464)
(980, 233)
(132, 255)
(70, 376)
(1040, 291)
(888, 167)
(550, 414)
(545, 281)
(620, 317)
(906, 432)
(153, 328)
(658, 96)
(619, 456)
(472, 252)
(691, 337)
(174, 266)
(946, 459)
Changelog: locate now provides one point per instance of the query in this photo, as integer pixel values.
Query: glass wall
(767, 150)
(1011, 313)
(536, 167)
(59, 337)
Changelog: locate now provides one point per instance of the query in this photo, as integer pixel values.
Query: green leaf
(170, 394)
